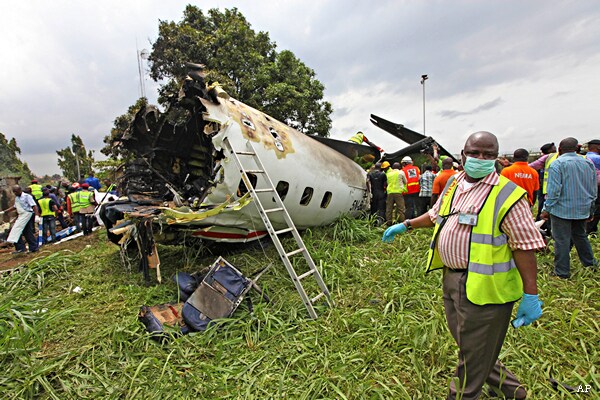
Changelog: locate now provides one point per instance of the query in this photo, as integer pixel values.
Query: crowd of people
(41, 208)
(485, 240)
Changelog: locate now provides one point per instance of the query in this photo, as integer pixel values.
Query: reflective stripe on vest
(393, 181)
(549, 160)
(358, 138)
(45, 210)
(492, 274)
(412, 179)
(36, 190)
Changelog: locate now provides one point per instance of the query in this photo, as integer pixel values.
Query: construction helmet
(407, 159)
(385, 165)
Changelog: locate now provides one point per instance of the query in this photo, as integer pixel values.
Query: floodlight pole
(423, 79)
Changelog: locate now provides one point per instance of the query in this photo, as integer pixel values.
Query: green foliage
(120, 125)
(245, 62)
(75, 161)
(386, 337)
(10, 163)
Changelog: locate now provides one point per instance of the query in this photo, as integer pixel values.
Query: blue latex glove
(392, 231)
(529, 310)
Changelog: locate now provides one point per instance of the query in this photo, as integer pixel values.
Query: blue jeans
(49, 225)
(565, 231)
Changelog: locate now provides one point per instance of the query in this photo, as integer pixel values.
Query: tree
(10, 164)
(120, 125)
(245, 63)
(75, 161)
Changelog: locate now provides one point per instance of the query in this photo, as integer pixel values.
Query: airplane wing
(416, 141)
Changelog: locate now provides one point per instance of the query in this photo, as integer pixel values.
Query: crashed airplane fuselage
(181, 176)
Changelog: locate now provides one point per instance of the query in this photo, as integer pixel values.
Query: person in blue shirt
(93, 181)
(570, 203)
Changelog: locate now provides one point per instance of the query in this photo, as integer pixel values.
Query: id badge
(467, 219)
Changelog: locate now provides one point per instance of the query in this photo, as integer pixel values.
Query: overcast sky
(528, 71)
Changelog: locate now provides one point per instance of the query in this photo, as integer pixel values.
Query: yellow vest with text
(85, 198)
(358, 138)
(493, 277)
(36, 190)
(45, 210)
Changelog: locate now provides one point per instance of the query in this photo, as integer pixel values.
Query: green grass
(386, 338)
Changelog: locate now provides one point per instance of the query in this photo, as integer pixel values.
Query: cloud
(482, 107)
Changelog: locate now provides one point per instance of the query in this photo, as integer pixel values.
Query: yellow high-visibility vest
(358, 138)
(45, 210)
(36, 190)
(549, 160)
(393, 181)
(493, 277)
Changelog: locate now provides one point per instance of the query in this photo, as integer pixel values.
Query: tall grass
(386, 338)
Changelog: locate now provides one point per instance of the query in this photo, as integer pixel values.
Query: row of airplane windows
(282, 189)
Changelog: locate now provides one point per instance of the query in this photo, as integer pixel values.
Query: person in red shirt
(411, 197)
(439, 183)
(523, 175)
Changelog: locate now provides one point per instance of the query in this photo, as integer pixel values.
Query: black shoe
(18, 252)
(33, 251)
(554, 274)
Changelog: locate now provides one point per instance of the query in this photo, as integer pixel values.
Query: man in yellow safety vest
(484, 231)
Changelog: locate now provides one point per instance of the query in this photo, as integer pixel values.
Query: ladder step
(317, 297)
(245, 153)
(307, 273)
(292, 253)
(264, 190)
(284, 231)
(254, 171)
(274, 210)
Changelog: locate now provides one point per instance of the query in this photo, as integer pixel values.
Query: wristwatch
(408, 224)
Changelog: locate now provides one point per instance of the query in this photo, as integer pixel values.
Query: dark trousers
(61, 220)
(592, 226)
(424, 202)
(29, 234)
(87, 223)
(412, 205)
(565, 232)
(378, 206)
(479, 332)
(49, 225)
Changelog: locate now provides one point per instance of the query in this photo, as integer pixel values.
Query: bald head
(17, 190)
(481, 145)
(568, 145)
(396, 165)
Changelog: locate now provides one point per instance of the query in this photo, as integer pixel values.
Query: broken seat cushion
(220, 292)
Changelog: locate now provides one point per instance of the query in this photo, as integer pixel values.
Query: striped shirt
(426, 183)
(453, 242)
(572, 188)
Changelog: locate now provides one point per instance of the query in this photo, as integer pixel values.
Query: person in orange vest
(411, 196)
(523, 175)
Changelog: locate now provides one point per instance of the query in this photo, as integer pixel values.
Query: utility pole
(423, 79)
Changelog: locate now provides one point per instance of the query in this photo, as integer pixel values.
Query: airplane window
(273, 133)
(282, 189)
(326, 200)
(242, 190)
(306, 196)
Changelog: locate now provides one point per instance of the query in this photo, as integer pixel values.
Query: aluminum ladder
(284, 254)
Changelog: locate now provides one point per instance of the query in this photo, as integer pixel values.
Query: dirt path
(10, 261)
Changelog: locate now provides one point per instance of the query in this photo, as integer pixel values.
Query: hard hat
(34, 181)
(75, 185)
(84, 185)
(407, 159)
(385, 165)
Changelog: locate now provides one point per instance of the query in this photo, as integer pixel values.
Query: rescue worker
(28, 213)
(411, 196)
(73, 206)
(48, 210)
(396, 186)
(86, 208)
(483, 230)
(377, 184)
(360, 138)
(523, 175)
(36, 189)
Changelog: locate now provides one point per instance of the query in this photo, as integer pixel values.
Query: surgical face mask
(477, 168)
